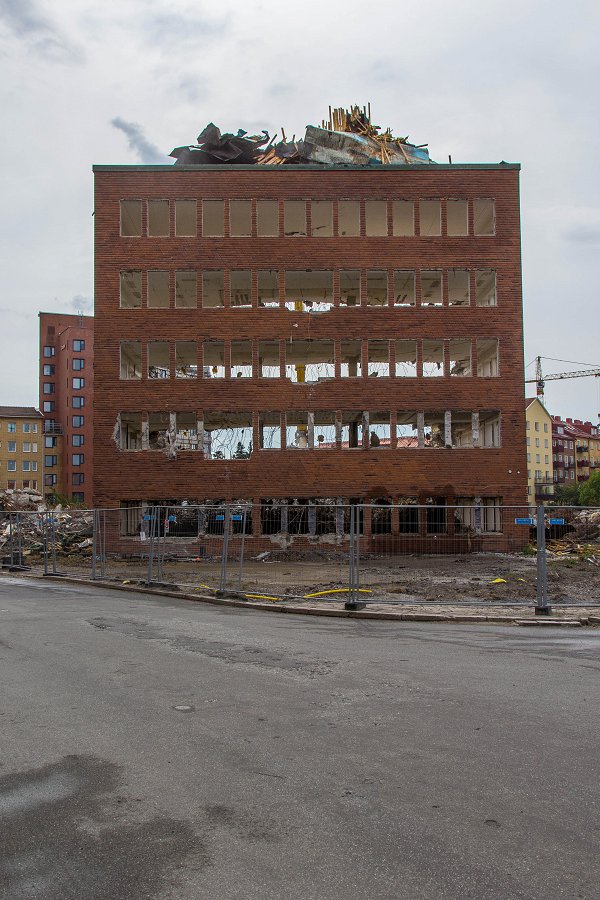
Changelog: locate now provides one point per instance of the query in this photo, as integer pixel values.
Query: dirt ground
(477, 583)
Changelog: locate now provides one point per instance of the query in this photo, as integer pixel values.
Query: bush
(589, 491)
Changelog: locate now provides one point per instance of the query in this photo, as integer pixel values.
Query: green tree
(567, 494)
(589, 491)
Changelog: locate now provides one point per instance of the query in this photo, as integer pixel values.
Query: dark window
(78, 496)
(49, 351)
(78, 384)
(77, 440)
(78, 346)
(50, 480)
(48, 387)
(77, 402)
(77, 459)
(77, 421)
(49, 405)
(48, 369)
(78, 365)
(50, 461)
(77, 478)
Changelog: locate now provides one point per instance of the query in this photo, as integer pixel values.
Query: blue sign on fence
(172, 518)
(556, 521)
(524, 521)
(219, 518)
(237, 518)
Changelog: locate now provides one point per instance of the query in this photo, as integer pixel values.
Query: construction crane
(541, 379)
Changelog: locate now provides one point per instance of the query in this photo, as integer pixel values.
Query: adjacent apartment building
(294, 335)
(66, 399)
(576, 449)
(539, 440)
(20, 447)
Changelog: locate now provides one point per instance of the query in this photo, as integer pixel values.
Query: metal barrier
(282, 550)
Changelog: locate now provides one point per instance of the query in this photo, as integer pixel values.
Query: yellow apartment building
(21, 447)
(540, 471)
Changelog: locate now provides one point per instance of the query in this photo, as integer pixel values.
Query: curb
(460, 619)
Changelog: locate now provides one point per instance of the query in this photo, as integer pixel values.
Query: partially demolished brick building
(307, 322)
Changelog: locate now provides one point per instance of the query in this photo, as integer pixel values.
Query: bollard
(541, 605)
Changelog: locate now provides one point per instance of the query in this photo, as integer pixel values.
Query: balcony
(52, 428)
(582, 448)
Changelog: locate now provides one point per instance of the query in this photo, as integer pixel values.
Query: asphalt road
(162, 749)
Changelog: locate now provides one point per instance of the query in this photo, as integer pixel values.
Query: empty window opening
(461, 428)
(212, 288)
(131, 290)
(491, 513)
(348, 218)
(378, 360)
(376, 224)
(267, 218)
(431, 288)
(489, 428)
(430, 218)
(436, 515)
(158, 218)
(186, 359)
(379, 429)
(434, 435)
(322, 218)
(460, 357)
(309, 290)
(350, 287)
(241, 287)
(186, 428)
(484, 217)
(131, 431)
(131, 359)
(406, 359)
(458, 287)
(403, 218)
(268, 288)
(407, 430)
(269, 430)
(158, 290)
(268, 359)
(353, 429)
(404, 288)
(458, 218)
(328, 516)
(270, 516)
(185, 218)
(158, 359)
(377, 287)
(158, 422)
(433, 359)
(240, 218)
(298, 516)
(212, 218)
(485, 287)
(478, 515)
(228, 435)
(131, 218)
(351, 361)
(296, 430)
(185, 290)
(214, 359)
(324, 429)
(487, 357)
(308, 361)
(294, 215)
(241, 359)
(381, 515)
(408, 515)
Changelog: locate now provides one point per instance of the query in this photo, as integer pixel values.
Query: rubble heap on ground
(347, 138)
(72, 528)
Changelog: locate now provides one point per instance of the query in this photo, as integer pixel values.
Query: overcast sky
(84, 83)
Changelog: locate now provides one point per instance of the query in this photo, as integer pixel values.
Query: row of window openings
(26, 447)
(230, 435)
(538, 459)
(51, 425)
(307, 361)
(307, 290)
(567, 460)
(51, 460)
(318, 516)
(568, 445)
(77, 440)
(76, 364)
(26, 427)
(49, 350)
(559, 475)
(26, 465)
(49, 387)
(11, 484)
(49, 406)
(537, 442)
(77, 478)
(536, 426)
(303, 218)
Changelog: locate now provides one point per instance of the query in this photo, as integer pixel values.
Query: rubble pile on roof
(347, 138)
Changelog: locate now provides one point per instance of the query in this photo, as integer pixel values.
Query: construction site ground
(495, 586)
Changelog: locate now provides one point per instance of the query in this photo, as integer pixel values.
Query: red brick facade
(368, 472)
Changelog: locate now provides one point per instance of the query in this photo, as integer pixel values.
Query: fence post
(45, 516)
(241, 575)
(541, 606)
(152, 515)
(223, 581)
(353, 601)
(96, 526)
